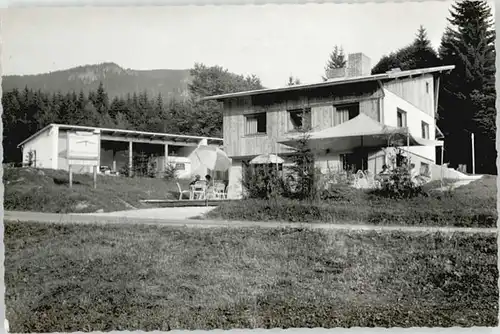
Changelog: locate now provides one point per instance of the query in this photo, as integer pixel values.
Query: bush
(170, 173)
(302, 181)
(336, 185)
(306, 177)
(399, 185)
(145, 165)
(265, 184)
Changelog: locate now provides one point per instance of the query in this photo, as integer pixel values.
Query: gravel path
(114, 218)
(157, 213)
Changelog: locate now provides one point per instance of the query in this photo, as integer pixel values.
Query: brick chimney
(358, 65)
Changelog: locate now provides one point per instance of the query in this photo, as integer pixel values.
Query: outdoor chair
(360, 181)
(182, 192)
(357, 179)
(372, 181)
(199, 190)
(220, 190)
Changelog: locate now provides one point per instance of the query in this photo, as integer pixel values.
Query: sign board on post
(83, 149)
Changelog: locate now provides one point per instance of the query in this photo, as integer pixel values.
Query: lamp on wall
(327, 150)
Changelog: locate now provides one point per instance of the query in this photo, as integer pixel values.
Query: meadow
(472, 205)
(47, 190)
(62, 278)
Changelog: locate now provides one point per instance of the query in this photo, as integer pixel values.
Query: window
(256, 124)
(425, 130)
(424, 169)
(180, 166)
(427, 87)
(345, 112)
(401, 114)
(300, 118)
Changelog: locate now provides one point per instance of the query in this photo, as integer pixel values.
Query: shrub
(306, 176)
(124, 170)
(399, 185)
(170, 173)
(336, 185)
(31, 155)
(338, 177)
(265, 184)
(144, 165)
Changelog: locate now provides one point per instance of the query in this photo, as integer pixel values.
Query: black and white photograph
(319, 165)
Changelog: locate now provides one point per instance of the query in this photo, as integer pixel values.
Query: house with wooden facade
(340, 113)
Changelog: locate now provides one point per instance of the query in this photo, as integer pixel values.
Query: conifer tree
(293, 81)
(468, 92)
(336, 59)
(418, 54)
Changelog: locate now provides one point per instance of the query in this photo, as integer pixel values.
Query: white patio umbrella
(213, 158)
(265, 159)
(361, 131)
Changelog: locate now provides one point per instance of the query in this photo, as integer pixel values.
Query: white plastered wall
(414, 118)
(44, 149)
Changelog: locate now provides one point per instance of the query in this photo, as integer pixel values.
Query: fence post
(70, 170)
(473, 155)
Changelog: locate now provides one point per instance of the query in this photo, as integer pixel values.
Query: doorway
(354, 161)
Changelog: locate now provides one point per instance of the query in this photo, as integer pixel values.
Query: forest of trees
(27, 111)
(466, 100)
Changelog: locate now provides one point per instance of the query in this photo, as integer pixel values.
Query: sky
(271, 41)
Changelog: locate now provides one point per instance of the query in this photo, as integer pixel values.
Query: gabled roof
(335, 82)
(127, 133)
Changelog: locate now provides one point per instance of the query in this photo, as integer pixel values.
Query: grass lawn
(472, 205)
(47, 190)
(99, 278)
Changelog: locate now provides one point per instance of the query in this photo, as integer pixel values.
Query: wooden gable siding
(414, 91)
(321, 101)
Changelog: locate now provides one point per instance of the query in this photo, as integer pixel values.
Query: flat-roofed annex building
(47, 148)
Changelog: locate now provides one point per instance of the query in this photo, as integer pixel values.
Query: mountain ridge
(118, 81)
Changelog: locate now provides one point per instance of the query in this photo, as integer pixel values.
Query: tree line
(27, 111)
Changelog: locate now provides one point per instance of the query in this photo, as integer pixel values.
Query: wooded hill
(117, 81)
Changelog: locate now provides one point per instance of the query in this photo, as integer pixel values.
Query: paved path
(114, 219)
(157, 213)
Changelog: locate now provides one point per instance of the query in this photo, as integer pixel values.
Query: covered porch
(143, 153)
(362, 144)
(127, 152)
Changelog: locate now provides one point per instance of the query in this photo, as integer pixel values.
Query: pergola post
(166, 157)
(99, 145)
(114, 159)
(130, 166)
